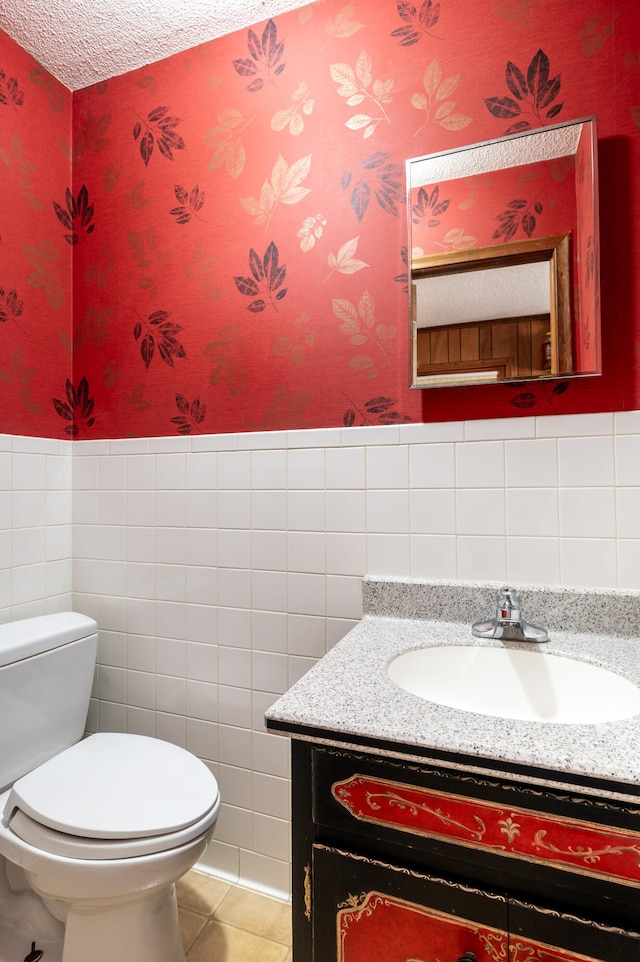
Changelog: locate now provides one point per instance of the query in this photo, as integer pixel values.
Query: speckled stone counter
(348, 699)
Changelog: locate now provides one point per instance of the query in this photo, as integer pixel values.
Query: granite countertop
(348, 699)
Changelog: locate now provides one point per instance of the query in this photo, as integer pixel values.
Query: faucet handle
(508, 602)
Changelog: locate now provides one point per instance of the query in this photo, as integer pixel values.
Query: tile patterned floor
(225, 923)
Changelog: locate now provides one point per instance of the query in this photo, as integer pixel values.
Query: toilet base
(15, 943)
(145, 930)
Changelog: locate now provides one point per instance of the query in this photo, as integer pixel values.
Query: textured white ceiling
(84, 41)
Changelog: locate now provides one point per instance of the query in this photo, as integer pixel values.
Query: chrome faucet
(508, 623)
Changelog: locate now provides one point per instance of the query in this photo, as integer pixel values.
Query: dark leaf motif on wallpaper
(77, 408)
(357, 85)
(529, 399)
(191, 203)
(404, 277)
(11, 307)
(428, 207)
(435, 100)
(418, 21)
(226, 141)
(378, 410)
(295, 345)
(45, 259)
(267, 278)
(226, 354)
(159, 332)
(191, 416)
(533, 95)
(40, 77)
(265, 54)
(359, 324)
(377, 176)
(76, 216)
(158, 128)
(10, 92)
(518, 213)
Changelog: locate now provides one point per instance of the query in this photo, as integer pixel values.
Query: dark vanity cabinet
(402, 861)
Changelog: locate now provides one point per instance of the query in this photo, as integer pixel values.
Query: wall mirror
(503, 241)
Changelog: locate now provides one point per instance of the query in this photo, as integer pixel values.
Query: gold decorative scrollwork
(307, 892)
(585, 854)
(395, 798)
(509, 828)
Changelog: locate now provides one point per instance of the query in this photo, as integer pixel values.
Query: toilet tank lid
(33, 636)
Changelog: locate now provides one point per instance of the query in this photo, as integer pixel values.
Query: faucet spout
(508, 623)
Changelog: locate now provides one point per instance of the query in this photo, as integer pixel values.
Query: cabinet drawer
(368, 798)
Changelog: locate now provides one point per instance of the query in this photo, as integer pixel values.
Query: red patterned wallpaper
(238, 224)
(35, 260)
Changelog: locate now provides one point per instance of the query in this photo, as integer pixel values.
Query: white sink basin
(516, 683)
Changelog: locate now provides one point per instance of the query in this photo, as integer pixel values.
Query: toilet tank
(46, 674)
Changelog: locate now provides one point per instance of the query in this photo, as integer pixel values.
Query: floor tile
(256, 913)
(224, 943)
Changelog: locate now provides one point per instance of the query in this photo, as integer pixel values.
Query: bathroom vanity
(425, 833)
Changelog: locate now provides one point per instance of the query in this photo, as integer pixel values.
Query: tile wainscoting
(220, 568)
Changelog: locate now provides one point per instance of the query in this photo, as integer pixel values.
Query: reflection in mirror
(504, 259)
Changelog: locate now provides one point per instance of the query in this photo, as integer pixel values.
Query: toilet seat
(114, 796)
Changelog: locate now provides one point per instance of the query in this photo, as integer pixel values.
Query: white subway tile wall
(220, 568)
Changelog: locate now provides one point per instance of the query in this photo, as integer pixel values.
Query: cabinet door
(367, 911)
(538, 934)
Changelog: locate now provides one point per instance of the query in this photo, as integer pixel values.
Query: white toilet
(101, 827)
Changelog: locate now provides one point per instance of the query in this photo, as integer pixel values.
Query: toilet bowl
(104, 826)
(102, 831)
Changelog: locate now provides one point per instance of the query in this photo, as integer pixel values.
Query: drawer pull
(468, 957)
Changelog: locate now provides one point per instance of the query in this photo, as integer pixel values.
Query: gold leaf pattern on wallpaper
(343, 26)
(311, 231)
(225, 139)
(283, 188)
(92, 137)
(435, 100)
(135, 199)
(344, 261)
(53, 90)
(292, 117)
(517, 11)
(99, 273)
(359, 324)
(16, 374)
(146, 251)
(225, 353)
(136, 398)
(112, 174)
(295, 345)
(201, 268)
(286, 407)
(597, 30)
(14, 157)
(45, 258)
(356, 86)
(456, 239)
(93, 329)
